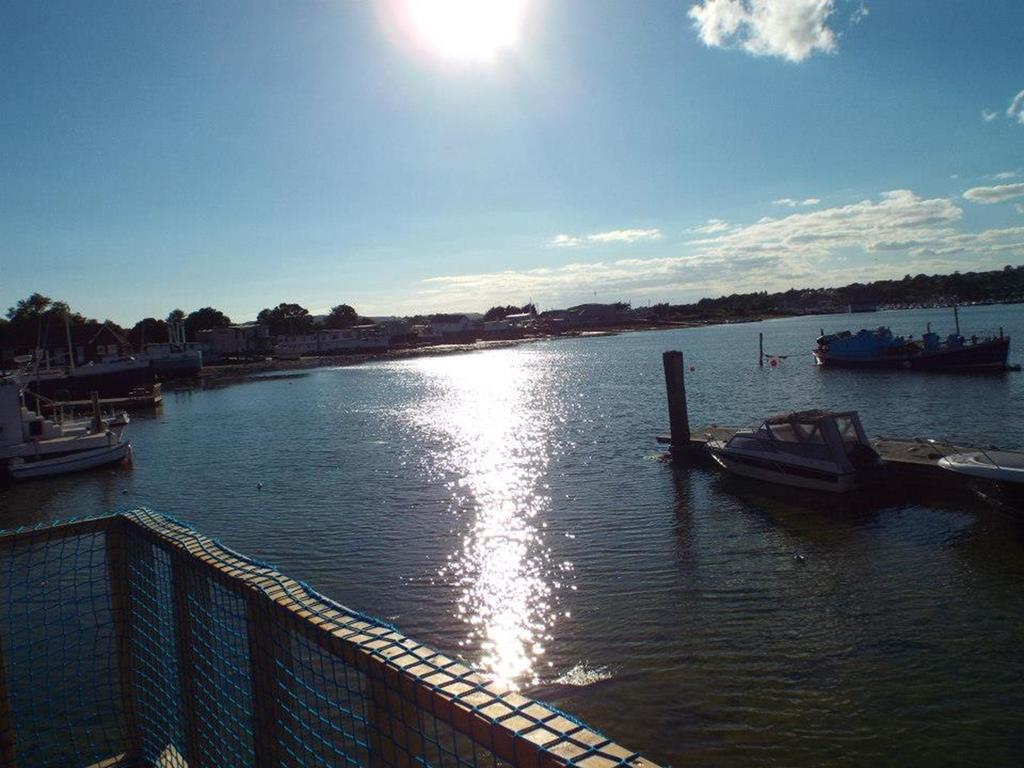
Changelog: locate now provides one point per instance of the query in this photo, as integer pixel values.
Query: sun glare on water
(463, 30)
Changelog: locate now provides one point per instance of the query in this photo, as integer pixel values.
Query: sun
(463, 30)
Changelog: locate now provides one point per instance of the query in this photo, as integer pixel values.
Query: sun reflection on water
(493, 415)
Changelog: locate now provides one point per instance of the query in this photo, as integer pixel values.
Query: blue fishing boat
(879, 348)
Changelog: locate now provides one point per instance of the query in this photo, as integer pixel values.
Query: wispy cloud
(712, 226)
(603, 238)
(789, 202)
(989, 115)
(1003, 175)
(1016, 109)
(788, 29)
(997, 194)
(896, 233)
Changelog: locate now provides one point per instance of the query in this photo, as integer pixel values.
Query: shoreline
(222, 374)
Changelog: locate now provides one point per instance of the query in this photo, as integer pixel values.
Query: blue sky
(240, 154)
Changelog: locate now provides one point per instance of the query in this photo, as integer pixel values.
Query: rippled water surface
(510, 506)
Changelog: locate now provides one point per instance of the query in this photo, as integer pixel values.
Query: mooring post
(760, 349)
(675, 388)
(956, 319)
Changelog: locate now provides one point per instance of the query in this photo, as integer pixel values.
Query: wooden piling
(760, 349)
(675, 388)
(96, 412)
(956, 319)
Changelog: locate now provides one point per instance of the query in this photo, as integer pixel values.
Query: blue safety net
(133, 640)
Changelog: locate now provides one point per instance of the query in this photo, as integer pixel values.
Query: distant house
(452, 324)
(332, 341)
(240, 340)
(597, 314)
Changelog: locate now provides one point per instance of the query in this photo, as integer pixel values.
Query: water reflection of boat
(819, 450)
(32, 446)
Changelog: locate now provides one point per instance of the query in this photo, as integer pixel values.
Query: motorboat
(818, 450)
(33, 446)
(993, 465)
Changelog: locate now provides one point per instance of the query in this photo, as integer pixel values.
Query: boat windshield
(793, 437)
(847, 429)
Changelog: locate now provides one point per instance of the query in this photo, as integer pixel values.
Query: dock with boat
(915, 461)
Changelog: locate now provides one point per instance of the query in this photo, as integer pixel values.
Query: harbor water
(512, 507)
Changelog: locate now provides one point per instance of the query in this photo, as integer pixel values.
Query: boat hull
(984, 356)
(81, 384)
(71, 462)
(780, 473)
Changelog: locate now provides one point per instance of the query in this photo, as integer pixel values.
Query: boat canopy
(820, 435)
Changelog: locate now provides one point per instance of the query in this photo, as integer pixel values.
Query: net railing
(134, 640)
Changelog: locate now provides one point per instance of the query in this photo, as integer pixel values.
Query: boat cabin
(816, 435)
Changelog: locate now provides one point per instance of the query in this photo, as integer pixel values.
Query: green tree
(149, 330)
(30, 309)
(175, 316)
(204, 319)
(290, 319)
(342, 316)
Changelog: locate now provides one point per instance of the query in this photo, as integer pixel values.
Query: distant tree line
(499, 313)
(1001, 285)
(39, 321)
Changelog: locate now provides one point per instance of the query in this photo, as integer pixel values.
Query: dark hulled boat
(881, 349)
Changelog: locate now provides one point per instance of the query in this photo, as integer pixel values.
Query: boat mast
(71, 350)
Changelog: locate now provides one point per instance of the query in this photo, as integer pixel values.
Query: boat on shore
(817, 450)
(32, 446)
(880, 349)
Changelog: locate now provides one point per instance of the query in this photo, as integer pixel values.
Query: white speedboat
(32, 446)
(994, 465)
(818, 450)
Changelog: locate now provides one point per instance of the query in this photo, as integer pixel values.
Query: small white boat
(79, 460)
(818, 450)
(996, 466)
(32, 446)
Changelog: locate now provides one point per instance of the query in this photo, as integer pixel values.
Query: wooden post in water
(760, 349)
(675, 388)
(956, 319)
(96, 412)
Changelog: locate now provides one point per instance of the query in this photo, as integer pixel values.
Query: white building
(332, 341)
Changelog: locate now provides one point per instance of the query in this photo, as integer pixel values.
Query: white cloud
(565, 241)
(997, 194)
(603, 238)
(1002, 175)
(1016, 109)
(789, 202)
(789, 29)
(988, 115)
(711, 226)
(1020, 208)
(897, 233)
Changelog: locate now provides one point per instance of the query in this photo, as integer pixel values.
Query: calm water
(510, 506)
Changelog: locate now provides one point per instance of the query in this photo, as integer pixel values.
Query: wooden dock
(910, 461)
(150, 398)
(913, 458)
